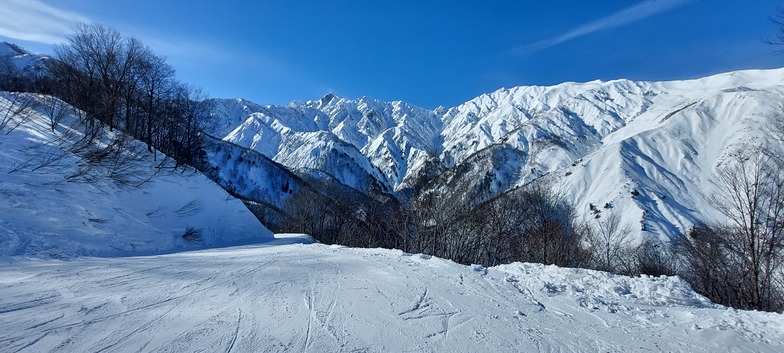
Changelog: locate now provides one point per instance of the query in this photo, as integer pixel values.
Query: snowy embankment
(43, 214)
(318, 298)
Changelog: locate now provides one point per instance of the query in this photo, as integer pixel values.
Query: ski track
(315, 298)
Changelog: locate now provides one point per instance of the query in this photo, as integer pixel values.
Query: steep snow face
(318, 298)
(657, 170)
(600, 141)
(226, 114)
(250, 174)
(44, 215)
(645, 150)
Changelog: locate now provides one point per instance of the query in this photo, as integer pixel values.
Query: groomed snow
(319, 298)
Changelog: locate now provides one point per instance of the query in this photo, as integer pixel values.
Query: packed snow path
(318, 298)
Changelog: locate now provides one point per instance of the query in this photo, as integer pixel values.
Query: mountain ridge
(524, 133)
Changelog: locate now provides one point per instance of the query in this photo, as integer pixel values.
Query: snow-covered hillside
(28, 64)
(601, 142)
(318, 298)
(45, 215)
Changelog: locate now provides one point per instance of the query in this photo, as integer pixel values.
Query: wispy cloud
(633, 14)
(35, 21)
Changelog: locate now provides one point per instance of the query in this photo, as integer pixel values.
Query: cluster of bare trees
(740, 262)
(532, 225)
(119, 82)
(117, 90)
(339, 215)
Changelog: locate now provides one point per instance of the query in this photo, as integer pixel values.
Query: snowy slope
(42, 214)
(318, 298)
(669, 153)
(249, 173)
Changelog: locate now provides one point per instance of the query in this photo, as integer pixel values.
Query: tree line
(528, 224)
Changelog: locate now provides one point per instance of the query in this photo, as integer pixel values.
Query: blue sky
(428, 53)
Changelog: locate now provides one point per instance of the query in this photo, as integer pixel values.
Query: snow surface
(42, 214)
(319, 298)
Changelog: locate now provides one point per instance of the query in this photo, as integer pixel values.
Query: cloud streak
(630, 15)
(35, 21)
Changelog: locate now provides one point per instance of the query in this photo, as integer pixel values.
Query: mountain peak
(326, 99)
(10, 49)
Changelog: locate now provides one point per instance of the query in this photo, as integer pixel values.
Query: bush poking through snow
(192, 234)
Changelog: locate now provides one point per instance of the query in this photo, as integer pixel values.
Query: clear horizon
(427, 54)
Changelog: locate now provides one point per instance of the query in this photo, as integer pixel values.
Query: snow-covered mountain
(366, 144)
(647, 150)
(21, 60)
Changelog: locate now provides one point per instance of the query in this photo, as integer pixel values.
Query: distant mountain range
(645, 150)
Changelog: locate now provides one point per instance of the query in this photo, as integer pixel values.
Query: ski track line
(31, 343)
(31, 304)
(236, 331)
(141, 328)
(46, 322)
(331, 307)
(309, 305)
(420, 304)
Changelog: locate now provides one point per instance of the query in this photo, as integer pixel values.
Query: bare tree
(9, 75)
(55, 109)
(778, 38)
(712, 265)
(548, 230)
(740, 263)
(750, 194)
(19, 109)
(156, 83)
(611, 245)
(101, 62)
